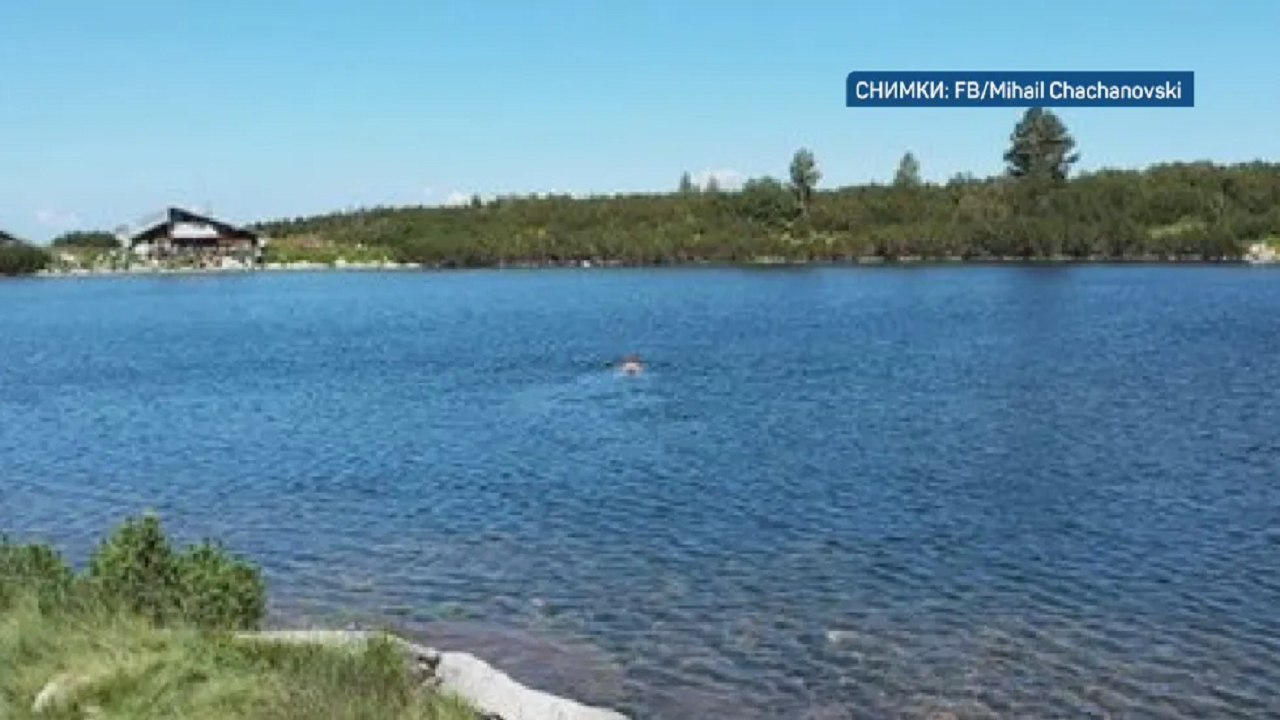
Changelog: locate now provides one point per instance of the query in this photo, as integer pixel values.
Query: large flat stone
(464, 675)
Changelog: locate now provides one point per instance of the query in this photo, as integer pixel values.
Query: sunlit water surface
(1003, 492)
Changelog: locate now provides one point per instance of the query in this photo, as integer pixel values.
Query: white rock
(1261, 254)
(492, 691)
(470, 678)
(57, 691)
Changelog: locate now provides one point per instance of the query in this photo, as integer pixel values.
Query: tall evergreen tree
(908, 174)
(1040, 147)
(805, 176)
(686, 184)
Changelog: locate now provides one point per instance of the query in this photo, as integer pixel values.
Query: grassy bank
(147, 631)
(119, 666)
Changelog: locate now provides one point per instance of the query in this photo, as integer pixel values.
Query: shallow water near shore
(835, 493)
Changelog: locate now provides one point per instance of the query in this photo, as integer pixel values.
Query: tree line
(1037, 208)
(99, 239)
(18, 257)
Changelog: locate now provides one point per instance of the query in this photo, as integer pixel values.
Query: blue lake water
(1006, 492)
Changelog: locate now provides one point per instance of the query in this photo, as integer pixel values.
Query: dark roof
(157, 224)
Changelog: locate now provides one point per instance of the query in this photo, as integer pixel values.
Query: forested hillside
(1037, 209)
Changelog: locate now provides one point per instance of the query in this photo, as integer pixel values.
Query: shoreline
(859, 262)
(271, 267)
(482, 685)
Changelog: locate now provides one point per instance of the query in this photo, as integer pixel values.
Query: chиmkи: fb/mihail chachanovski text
(986, 90)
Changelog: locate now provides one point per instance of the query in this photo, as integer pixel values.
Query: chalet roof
(183, 223)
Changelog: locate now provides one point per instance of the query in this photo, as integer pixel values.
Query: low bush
(217, 590)
(127, 638)
(137, 570)
(38, 570)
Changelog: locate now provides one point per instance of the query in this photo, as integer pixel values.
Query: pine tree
(805, 176)
(686, 184)
(908, 174)
(1040, 147)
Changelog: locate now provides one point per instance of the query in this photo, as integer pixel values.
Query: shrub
(38, 569)
(219, 591)
(136, 569)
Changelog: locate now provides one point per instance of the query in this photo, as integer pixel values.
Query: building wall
(196, 239)
(168, 247)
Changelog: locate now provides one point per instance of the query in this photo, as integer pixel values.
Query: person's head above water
(631, 363)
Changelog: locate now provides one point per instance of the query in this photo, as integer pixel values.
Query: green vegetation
(137, 571)
(69, 257)
(805, 176)
(86, 239)
(19, 258)
(908, 173)
(22, 259)
(1041, 148)
(290, 250)
(1036, 209)
(119, 667)
(145, 631)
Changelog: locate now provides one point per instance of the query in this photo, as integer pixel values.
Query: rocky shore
(1257, 256)
(1262, 254)
(222, 269)
(484, 687)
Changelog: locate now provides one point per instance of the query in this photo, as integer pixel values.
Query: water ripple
(843, 494)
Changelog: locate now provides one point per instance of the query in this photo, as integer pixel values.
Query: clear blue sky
(266, 108)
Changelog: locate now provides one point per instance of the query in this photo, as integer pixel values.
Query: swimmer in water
(631, 364)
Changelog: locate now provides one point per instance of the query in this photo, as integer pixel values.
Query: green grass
(151, 630)
(123, 667)
(285, 251)
(1185, 226)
